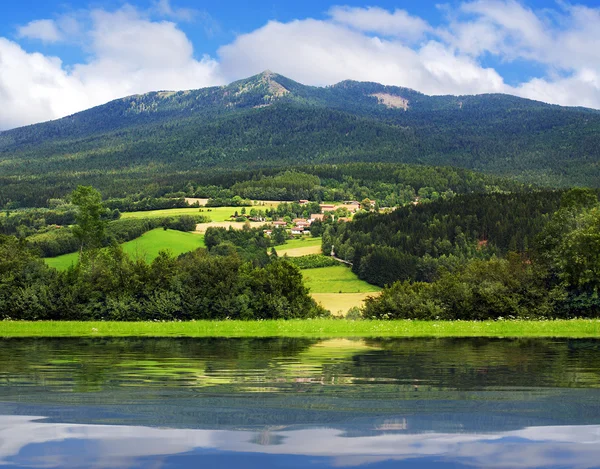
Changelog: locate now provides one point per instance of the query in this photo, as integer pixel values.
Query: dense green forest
(480, 257)
(416, 241)
(164, 142)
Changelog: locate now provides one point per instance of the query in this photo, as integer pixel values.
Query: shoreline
(317, 328)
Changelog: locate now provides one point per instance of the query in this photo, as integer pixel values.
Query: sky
(58, 57)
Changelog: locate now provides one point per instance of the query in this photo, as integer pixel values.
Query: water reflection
(28, 442)
(299, 402)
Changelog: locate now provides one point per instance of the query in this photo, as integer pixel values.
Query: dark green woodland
(166, 141)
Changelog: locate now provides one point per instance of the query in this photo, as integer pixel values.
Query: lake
(299, 403)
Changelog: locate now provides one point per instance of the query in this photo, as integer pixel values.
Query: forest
(489, 258)
(158, 143)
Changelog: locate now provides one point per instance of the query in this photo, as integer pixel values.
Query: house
(316, 216)
(279, 223)
(298, 230)
(352, 206)
(301, 222)
(303, 201)
(327, 208)
(268, 232)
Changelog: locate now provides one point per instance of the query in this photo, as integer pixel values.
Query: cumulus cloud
(164, 8)
(340, 53)
(378, 20)
(129, 54)
(132, 51)
(44, 30)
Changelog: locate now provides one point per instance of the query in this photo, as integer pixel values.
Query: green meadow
(318, 328)
(217, 214)
(337, 288)
(300, 247)
(299, 243)
(337, 279)
(146, 246)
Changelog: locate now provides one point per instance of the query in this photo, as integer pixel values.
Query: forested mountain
(270, 121)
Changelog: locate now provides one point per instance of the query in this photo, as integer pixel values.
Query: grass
(318, 328)
(337, 279)
(337, 288)
(299, 243)
(340, 303)
(146, 246)
(217, 214)
(299, 252)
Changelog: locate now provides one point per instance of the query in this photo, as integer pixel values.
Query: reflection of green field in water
(146, 246)
(372, 368)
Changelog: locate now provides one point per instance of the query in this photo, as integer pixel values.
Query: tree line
(555, 276)
(106, 284)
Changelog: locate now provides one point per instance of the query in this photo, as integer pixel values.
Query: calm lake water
(299, 403)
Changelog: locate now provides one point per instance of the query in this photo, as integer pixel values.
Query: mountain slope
(269, 120)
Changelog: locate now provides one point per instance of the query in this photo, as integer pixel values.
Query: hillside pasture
(145, 247)
(337, 288)
(299, 247)
(217, 214)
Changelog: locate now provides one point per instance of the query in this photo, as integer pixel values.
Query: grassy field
(300, 247)
(217, 214)
(305, 328)
(340, 303)
(299, 252)
(300, 243)
(337, 279)
(337, 288)
(146, 246)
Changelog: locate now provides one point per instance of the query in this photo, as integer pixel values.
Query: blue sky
(59, 56)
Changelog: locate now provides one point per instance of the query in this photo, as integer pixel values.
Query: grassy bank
(305, 328)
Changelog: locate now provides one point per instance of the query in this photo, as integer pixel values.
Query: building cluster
(301, 226)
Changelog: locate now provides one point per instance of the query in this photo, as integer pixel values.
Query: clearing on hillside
(146, 246)
(337, 288)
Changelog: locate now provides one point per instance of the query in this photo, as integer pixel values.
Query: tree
(90, 226)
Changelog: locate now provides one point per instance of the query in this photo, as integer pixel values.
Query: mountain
(270, 121)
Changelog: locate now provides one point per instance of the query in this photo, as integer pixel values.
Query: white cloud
(378, 20)
(130, 53)
(164, 8)
(319, 53)
(34, 87)
(44, 30)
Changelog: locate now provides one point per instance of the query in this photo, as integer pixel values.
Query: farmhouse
(327, 207)
(316, 216)
(301, 222)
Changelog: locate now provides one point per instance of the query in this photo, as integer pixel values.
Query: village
(300, 226)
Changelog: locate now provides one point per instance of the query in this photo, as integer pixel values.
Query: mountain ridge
(269, 120)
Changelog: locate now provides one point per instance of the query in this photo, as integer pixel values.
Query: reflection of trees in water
(301, 365)
(476, 363)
